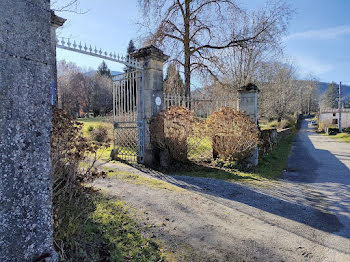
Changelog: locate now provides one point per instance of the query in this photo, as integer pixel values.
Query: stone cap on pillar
(250, 87)
(150, 52)
(57, 21)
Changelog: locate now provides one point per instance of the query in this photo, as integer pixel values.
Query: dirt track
(304, 217)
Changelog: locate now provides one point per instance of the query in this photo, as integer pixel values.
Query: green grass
(199, 148)
(270, 166)
(94, 122)
(223, 174)
(345, 137)
(104, 154)
(269, 125)
(101, 229)
(141, 180)
(98, 119)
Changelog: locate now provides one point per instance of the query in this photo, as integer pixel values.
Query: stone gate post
(248, 104)
(152, 59)
(56, 22)
(26, 228)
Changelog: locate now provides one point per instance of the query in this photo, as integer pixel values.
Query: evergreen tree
(173, 83)
(103, 70)
(131, 48)
(330, 96)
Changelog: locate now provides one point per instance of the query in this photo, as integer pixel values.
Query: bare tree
(242, 65)
(71, 6)
(309, 95)
(279, 91)
(100, 94)
(194, 31)
(330, 96)
(65, 72)
(73, 89)
(79, 93)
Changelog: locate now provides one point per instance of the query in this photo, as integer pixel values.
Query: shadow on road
(301, 197)
(307, 205)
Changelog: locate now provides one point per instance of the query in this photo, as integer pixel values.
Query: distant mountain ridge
(345, 88)
(91, 73)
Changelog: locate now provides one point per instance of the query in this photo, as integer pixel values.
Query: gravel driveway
(303, 217)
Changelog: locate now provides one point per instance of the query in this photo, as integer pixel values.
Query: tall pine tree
(131, 48)
(173, 83)
(103, 70)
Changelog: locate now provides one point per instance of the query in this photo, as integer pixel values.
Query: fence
(202, 107)
(199, 143)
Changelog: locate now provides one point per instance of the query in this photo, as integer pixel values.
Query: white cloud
(310, 65)
(325, 34)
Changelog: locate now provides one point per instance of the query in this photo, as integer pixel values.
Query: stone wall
(26, 231)
(270, 138)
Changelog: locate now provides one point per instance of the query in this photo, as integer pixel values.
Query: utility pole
(339, 108)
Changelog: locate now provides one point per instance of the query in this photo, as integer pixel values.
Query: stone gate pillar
(26, 228)
(152, 59)
(248, 101)
(56, 22)
(248, 104)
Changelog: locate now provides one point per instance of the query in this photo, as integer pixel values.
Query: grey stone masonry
(152, 60)
(26, 230)
(56, 22)
(248, 101)
(248, 104)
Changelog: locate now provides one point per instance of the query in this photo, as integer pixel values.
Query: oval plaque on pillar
(158, 101)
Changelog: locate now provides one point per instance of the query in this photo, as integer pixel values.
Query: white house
(329, 117)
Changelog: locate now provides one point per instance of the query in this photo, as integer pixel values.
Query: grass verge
(273, 164)
(100, 229)
(270, 166)
(345, 137)
(141, 180)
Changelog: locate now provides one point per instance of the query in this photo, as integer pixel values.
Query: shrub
(273, 124)
(99, 134)
(170, 130)
(234, 135)
(285, 124)
(332, 131)
(90, 128)
(69, 148)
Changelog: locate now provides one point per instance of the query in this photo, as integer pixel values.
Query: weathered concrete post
(26, 230)
(248, 104)
(56, 22)
(152, 59)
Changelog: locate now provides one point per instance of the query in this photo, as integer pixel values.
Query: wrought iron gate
(128, 107)
(128, 116)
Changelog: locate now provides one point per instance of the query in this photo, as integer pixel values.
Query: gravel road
(303, 217)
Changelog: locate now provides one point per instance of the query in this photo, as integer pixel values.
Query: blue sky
(318, 40)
